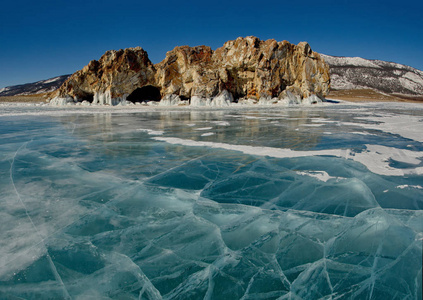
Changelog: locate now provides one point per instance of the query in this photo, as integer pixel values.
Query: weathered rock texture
(264, 69)
(246, 67)
(112, 78)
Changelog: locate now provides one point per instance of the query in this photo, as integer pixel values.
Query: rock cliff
(245, 68)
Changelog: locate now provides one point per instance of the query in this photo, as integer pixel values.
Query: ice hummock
(104, 204)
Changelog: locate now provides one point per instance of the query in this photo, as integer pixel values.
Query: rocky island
(246, 70)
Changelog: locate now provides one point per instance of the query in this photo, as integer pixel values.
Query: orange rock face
(187, 71)
(246, 67)
(117, 72)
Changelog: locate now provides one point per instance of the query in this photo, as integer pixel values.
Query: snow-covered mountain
(39, 87)
(386, 77)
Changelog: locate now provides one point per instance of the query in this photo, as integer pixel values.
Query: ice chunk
(59, 101)
(224, 98)
(200, 101)
(267, 101)
(373, 232)
(248, 101)
(172, 100)
(290, 99)
(313, 99)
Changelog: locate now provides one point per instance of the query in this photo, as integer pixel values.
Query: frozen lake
(321, 202)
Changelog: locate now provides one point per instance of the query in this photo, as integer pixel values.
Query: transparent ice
(289, 203)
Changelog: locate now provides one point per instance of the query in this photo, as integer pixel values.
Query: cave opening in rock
(145, 93)
(86, 96)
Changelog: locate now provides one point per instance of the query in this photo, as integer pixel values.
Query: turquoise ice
(286, 203)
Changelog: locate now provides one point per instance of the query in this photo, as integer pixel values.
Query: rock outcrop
(249, 67)
(110, 79)
(246, 68)
(188, 71)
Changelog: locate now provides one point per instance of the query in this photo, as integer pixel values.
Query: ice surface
(151, 132)
(145, 203)
(375, 157)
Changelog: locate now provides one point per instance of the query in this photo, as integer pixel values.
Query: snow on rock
(349, 61)
(52, 80)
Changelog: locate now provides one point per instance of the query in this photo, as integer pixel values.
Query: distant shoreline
(36, 98)
(368, 95)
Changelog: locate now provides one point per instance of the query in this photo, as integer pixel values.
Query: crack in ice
(50, 261)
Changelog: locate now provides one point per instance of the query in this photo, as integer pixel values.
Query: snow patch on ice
(221, 123)
(376, 158)
(311, 125)
(320, 175)
(203, 128)
(208, 134)
(404, 186)
(261, 151)
(363, 133)
(404, 125)
(151, 132)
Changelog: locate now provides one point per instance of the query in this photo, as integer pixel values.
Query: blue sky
(43, 39)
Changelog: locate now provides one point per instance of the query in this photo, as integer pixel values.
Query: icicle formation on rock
(245, 69)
